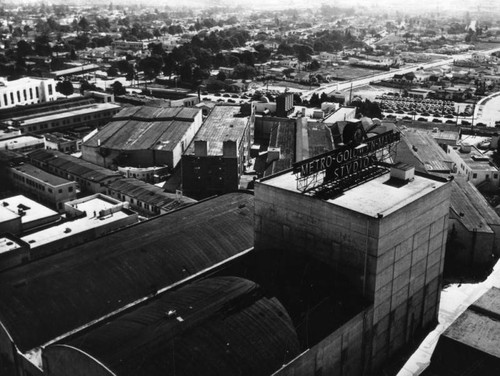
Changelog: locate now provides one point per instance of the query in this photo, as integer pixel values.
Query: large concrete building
(383, 239)
(144, 137)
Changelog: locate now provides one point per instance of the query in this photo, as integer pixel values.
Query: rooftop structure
(22, 143)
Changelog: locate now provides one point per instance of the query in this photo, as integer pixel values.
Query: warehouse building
(20, 214)
(144, 137)
(215, 160)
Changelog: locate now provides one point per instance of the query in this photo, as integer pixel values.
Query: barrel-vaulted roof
(48, 298)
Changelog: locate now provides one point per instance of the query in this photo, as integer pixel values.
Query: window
(18, 96)
(495, 176)
(11, 98)
(70, 189)
(24, 95)
(37, 92)
(60, 190)
(31, 93)
(5, 100)
(474, 176)
(50, 89)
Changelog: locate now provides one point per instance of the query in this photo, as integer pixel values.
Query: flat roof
(221, 125)
(478, 326)
(372, 197)
(32, 209)
(476, 160)
(71, 228)
(7, 214)
(16, 142)
(41, 175)
(7, 244)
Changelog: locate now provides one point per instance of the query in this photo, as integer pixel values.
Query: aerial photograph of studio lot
(250, 188)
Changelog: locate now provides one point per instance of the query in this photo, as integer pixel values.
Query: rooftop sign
(350, 161)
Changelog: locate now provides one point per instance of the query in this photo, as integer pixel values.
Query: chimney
(229, 149)
(201, 148)
(402, 171)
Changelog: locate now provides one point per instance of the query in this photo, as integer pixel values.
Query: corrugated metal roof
(466, 211)
(72, 165)
(145, 127)
(220, 125)
(427, 151)
(148, 193)
(478, 201)
(52, 296)
(228, 327)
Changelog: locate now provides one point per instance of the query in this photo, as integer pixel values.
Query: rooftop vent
(403, 172)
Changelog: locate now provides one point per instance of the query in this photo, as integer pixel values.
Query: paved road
(385, 75)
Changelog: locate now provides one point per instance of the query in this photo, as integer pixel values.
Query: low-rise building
(475, 165)
(90, 178)
(22, 143)
(46, 187)
(20, 214)
(65, 143)
(90, 115)
(87, 218)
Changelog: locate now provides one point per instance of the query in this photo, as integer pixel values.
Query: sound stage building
(382, 235)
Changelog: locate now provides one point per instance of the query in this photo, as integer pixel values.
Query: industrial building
(215, 160)
(22, 143)
(144, 137)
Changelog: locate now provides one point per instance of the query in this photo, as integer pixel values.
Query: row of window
(18, 96)
(74, 120)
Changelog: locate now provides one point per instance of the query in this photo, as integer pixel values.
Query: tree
(244, 71)
(314, 65)
(221, 76)
(118, 88)
(112, 72)
(83, 24)
(65, 87)
(23, 48)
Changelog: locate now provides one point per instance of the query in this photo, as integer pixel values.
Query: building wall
(469, 247)
(341, 353)
(27, 91)
(207, 176)
(12, 226)
(405, 274)
(394, 261)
